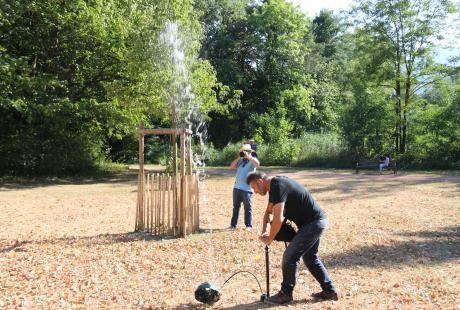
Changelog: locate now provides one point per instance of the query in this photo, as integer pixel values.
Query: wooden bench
(374, 164)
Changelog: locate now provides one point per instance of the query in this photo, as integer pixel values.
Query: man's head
(245, 150)
(256, 180)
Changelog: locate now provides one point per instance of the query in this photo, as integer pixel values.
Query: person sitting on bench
(384, 162)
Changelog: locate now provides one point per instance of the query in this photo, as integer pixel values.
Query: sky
(312, 7)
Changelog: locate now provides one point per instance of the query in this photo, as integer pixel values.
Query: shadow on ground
(363, 184)
(129, 176)
(372, 187)
(102, 239)
(8, 245)
(436, 247)
(250, 306)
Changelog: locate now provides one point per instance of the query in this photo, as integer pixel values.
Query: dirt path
(393, 242)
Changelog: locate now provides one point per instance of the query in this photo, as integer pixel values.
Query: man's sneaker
(326, 295)
(248, 228)
(279, 298)
(232, 227)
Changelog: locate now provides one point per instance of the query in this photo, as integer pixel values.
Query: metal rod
(267, 271)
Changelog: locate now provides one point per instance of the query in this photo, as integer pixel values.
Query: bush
(277, 154)
(222, 157)
(322, 150)
(312, 150)
(62, 137)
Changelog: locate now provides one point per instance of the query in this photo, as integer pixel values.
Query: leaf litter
(72, 247)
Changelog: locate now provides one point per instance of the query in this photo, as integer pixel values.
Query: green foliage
(275, 131)
(397, 38)
(437, 133)
(260, 49)
(299, 102)
(56, 58)
(59, 137)
(367, 122)
(78, 76)
(311, 150)
(322, 150)
(326, 28)
(224, 156)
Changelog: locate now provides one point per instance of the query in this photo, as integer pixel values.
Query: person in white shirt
(384, 163)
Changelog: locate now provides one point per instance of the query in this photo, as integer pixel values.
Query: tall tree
(325, 63)
(437, 127)
(262, 53)
(401, 35)
(76, 77)
(326, 29)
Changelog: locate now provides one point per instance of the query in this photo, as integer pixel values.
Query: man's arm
(234, 163)
(254, 160)
(266, 219)
(276, 223)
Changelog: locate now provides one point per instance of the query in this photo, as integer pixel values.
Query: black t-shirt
(299, 205)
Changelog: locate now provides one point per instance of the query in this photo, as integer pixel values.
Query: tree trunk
(398, 110)
(406, 105)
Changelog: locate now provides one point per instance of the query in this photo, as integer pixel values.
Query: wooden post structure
(140, 182)
(168, 204)
(183, 186)
(189, 156)
(174, 189)
(190, 185)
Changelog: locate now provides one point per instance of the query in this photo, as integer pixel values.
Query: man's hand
(254, 160)
(264, 239)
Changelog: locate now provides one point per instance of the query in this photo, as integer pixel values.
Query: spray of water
(185, 113)
(180, 96)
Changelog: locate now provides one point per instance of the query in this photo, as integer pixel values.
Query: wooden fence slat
(164, 203)
(160, 192)
(190, 206)
(192, 200)
(157, 209)
(152, 204)
(141, 203)
(168, 204)
(174, 191)
(187, 213)
(157, 202)
(176, 204)
(144, 205)
(148, 202)
(198, 201)
(160, 200)
(168, 188)
(181, 206)
(195, 206)
(136, 226)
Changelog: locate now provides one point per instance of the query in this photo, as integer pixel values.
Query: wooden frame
(178, 214)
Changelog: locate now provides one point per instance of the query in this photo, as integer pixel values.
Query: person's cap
(246, 147)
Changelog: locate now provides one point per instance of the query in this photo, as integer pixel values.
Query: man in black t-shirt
(288, 199)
